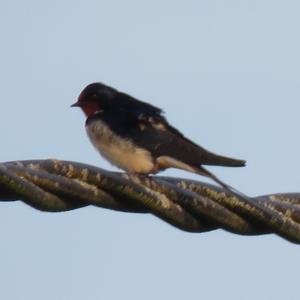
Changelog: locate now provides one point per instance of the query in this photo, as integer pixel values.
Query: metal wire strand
(55, 186)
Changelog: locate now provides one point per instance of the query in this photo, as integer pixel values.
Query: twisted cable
(57, 186)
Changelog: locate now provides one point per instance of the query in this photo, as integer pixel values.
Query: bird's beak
(76, 104)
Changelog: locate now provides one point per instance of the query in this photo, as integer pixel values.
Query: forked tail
(202, 171)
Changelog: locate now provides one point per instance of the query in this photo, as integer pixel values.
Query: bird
(135, 135)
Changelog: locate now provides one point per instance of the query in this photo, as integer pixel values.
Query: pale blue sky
(227, 75)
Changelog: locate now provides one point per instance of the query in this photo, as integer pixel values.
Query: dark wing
(152, 132)
(165, 140)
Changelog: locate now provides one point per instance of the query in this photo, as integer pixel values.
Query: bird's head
(95, 97)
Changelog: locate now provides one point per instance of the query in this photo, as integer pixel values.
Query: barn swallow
(136, 137)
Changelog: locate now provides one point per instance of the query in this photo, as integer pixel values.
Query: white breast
(120, 152)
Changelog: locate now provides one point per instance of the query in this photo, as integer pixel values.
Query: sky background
(225, 72)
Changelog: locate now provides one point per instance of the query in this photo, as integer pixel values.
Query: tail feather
(202, 171)
(164, 162)
(191, 153)
(218, 160)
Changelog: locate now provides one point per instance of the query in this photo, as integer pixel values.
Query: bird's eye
(94, 96)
